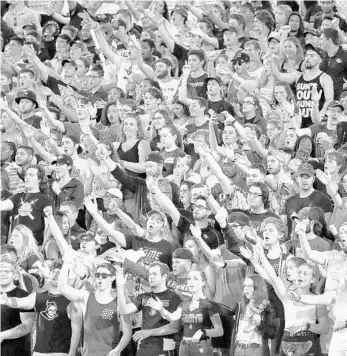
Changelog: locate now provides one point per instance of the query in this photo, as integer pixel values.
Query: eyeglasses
(255, 195)
(87, 239)
(199, 207)
(248, 103)
(234, 226)
(102, 275)
(187, 190)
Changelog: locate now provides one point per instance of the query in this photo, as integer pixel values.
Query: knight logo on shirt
(50, 313)
(26, 209)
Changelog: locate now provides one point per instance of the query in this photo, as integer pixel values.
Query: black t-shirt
(220, 106)
(5, 218)
(257, 219)
(181, 54)
(28, 210)
(154, 251)
(75, 231)
(294, 204)
(196, 87)
(54, 83)
(152, 319)
(10, 318)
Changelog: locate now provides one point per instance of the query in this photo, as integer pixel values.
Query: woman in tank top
(303, 324)
(198, 315)
(132, 151)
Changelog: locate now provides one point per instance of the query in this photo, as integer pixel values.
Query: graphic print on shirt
(50, 313)
(107, 314)
(26, 209)
(153, 312)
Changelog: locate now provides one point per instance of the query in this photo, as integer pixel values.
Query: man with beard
(59, 322)
(313, 77)
(102, 325)
(15, 324)
(307, 196)
(158, 273)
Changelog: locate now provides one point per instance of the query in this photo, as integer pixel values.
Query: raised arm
(76, 316)
(328, 87)
(183, 88)
(123, 306)
(115, 235)
(19, 303)
(326, 298)
(289, 78)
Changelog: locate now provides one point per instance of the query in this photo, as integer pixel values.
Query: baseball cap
(309, 213)
(183, 254)
(79, 44)
(274, 35)
(64, 159)
(156, 212)
(214, 77)
(165, 61)
(241, 57)
(155, 157)
(231, 29)
(69, 61)
(104, 18)
(334, 104)
(87, 236)
(26, 94)
(312, 31)
(305, 168)
(181, 11)
(30, 25)
(238, 217)
(311, 47)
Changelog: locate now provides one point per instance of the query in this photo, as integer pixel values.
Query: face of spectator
(290, 139)
(112, 114)
(195, 63)
(280, 93)
(4, 80)
(291, 271)
(65, 225)
(68, 146)
(222, 62)
(167, 139)
(161, 70)
(151, 103)
(145, 35)
(294, 23)
(281, 17)
(158, 121)
(177, 19)
(271, 235)
(95, 79)
(101, 282)
(123, 110)
(158, 6)
(16, 239)
(155, 278)
(326, 23)
(331, 166)
(130, 127)
(274, 45)
(22, 157)
(179, 110)
(230, 38)
(272, 130)
(146, 50)
(248, 287)
(114, 94)
(273, 165)
(82, 111)
(213, 88)
(69, 70)
(327, 6)
(312, 39)
(81, 68)
(240, 67)
(343, 102)
(88, 244)
(248, 104)
(154, 224)
(153, 169)
(192, 247)
(195, 109)
(180, 266)
(15, 48)
(324, 43)
(72, 215)
(253, 176)
(195, 40)
(305, 182)
(204, 28)
(290, 49)
(229, 135)
(61, 45)
(254, 197)
(200, 210)
(54, 276)
(26, 106)
(75, 52)
(7, 274)
(253, 54)
(85, 34)
(31, 38)
(184, 194)
(333, 115)
(5, 123)
(305, 276)
(195, 282)
(62, 170)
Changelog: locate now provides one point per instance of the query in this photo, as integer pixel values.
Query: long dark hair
(301, 30)
(297, 144)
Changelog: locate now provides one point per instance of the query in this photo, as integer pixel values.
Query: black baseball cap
(310, 47)
(240, 218)
(183, 254)
(64, 159)
(155, 157)
(214, 77)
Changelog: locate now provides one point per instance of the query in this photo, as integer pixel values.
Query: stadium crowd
(173, 178)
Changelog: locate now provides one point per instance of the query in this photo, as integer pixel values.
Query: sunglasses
(102, 275)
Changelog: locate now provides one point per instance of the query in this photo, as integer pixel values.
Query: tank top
(299, 314)
(298, 68)
(304, 100)
(101, 327)
(131, 155)
(53, 326)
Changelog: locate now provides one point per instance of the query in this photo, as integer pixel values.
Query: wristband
(225, 264)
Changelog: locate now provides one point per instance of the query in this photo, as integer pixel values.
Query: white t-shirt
(169, 89)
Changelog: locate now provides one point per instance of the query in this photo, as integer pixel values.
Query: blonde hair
(29, 243)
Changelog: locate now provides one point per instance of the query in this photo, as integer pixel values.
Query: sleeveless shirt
(131, 155)
(101, 327)
(53, 326)
(304, 99)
